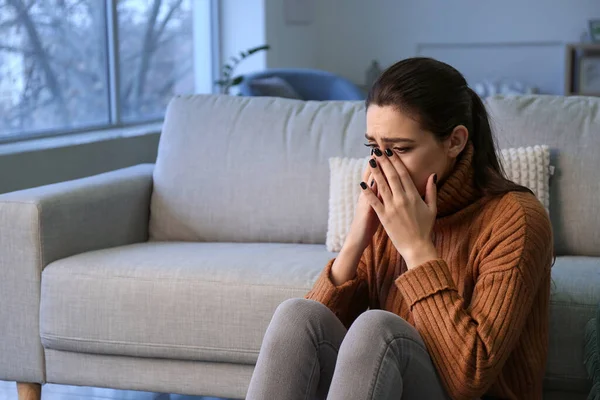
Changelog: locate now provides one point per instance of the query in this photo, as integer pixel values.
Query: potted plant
(228, 79)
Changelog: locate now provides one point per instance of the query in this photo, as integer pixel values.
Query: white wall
(242, 26)
(292, 45)
(353, 32)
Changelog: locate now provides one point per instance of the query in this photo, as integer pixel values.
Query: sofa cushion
(570, 126)
(249, 169)
(188, 301)
(214, 301)
(575, 296)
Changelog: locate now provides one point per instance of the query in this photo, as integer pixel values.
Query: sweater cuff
(332, 296)
(425, 280)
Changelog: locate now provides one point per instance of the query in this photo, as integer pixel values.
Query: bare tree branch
(164, 90)
(165, 21)
(40, 54)
(8, 24)
(158, 45)
(147, 52)
(13, 49)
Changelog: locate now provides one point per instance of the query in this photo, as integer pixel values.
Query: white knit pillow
(527, 166)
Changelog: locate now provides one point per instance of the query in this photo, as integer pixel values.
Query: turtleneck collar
(458, 190)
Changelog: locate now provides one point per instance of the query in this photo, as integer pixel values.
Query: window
(69, 65)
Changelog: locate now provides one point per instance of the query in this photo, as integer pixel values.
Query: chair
(310, 84)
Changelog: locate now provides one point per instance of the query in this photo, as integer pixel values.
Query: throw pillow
(527, 166)
(273, 86)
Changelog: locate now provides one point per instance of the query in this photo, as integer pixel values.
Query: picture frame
(594, 30)
(589, 75)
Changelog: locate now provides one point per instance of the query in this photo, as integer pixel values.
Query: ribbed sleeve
(427, 279)
(355, 296)
(469, 343)
(347, 300)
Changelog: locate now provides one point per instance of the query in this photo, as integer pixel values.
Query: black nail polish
(373, 163)
(378, 152)
(388, 152)
(434, 178)
(371, 151)
(363, 185)
(372, 182)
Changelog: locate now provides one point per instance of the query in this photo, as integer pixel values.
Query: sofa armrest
(48, 223)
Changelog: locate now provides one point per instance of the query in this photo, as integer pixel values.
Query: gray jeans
(308, 354)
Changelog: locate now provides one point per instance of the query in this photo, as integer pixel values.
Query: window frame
(113, 78)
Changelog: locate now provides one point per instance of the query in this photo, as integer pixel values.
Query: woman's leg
(298, 353)
(383, 357)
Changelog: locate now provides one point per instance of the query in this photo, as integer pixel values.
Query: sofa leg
(29, 391)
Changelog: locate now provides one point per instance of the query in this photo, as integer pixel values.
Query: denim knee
(297, 312)
(385, 323)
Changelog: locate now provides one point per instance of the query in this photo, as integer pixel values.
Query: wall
(242, 26)
(291, 45)
(250, 23)
(32, 168)
(353, 32)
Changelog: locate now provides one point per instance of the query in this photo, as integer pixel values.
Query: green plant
(228, 79)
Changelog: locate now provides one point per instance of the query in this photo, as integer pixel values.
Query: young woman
(441, 289)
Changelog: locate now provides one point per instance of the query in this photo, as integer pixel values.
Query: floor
(8, 391)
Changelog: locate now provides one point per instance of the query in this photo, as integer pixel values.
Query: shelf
(584, 46)
(573, 54)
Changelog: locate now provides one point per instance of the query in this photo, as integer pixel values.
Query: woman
(451, 259)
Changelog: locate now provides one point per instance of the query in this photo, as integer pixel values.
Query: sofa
(164, 277)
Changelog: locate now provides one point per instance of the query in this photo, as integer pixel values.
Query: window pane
(155, 54)
(53, 65)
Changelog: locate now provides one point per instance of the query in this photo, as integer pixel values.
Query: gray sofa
(164, 277)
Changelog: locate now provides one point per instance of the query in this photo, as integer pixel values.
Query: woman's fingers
(390, 173)
(372, 184)
(396, 163)
(383, 188)
(372, 199)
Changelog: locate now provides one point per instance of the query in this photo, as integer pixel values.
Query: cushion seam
(116, 277)
(51, 336)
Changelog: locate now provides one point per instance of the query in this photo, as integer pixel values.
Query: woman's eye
(400, 150)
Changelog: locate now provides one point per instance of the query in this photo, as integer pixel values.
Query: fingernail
(434, 178)
(378, 152)
(373, 163)
(363, 185)
(372, 182)
(371, 151)
(388, 152)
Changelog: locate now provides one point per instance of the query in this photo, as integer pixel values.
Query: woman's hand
(407, 219)
(365, 221)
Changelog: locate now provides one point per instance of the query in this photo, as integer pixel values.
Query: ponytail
(488, 172)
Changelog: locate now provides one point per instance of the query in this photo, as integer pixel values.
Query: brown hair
(438, 97)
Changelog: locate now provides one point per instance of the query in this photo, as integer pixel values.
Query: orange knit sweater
(482, 306)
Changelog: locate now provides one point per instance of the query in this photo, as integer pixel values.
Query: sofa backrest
(256, 169)
(243, 169)
(570, 126)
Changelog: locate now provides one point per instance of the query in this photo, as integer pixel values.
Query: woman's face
(419, 150)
